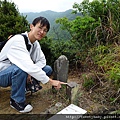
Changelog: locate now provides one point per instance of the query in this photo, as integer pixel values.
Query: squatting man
(17, 64)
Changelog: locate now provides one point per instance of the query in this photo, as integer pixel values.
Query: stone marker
(61, 66)
(71, 91)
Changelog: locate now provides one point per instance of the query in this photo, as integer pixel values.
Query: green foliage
(98, 25)
(80, 29)
(88, 82)
(46, 45)
(107, 58)
(67, 48)
(99, 52)
(53, 49)
(107, 13)
(11, 22)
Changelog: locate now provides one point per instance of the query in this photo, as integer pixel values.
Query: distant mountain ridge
(52, 16)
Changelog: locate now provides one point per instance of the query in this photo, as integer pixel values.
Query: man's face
(38, 31)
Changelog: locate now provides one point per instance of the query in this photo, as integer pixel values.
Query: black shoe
(21, 107)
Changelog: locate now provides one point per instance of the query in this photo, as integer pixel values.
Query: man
(17, 64)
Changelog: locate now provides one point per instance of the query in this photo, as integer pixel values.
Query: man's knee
(48, 70)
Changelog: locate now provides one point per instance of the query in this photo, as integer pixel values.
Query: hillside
(52, 16)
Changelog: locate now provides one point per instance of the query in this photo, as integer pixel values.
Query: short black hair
(43, 21)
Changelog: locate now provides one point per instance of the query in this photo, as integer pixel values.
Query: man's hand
(56, 83)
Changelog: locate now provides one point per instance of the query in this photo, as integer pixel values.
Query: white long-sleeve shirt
(16, 52)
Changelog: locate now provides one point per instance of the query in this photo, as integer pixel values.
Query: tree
(80, 30)
(107, 13)
(98, 24)
(11, 22)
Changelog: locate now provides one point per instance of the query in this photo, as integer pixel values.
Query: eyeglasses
(43, 29)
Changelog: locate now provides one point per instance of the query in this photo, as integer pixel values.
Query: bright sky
(43, 5)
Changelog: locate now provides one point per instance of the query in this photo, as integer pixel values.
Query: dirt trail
(41, 100)
(45, 99)
(38, 101)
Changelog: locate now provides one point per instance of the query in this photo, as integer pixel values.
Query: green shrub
(109, 62)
